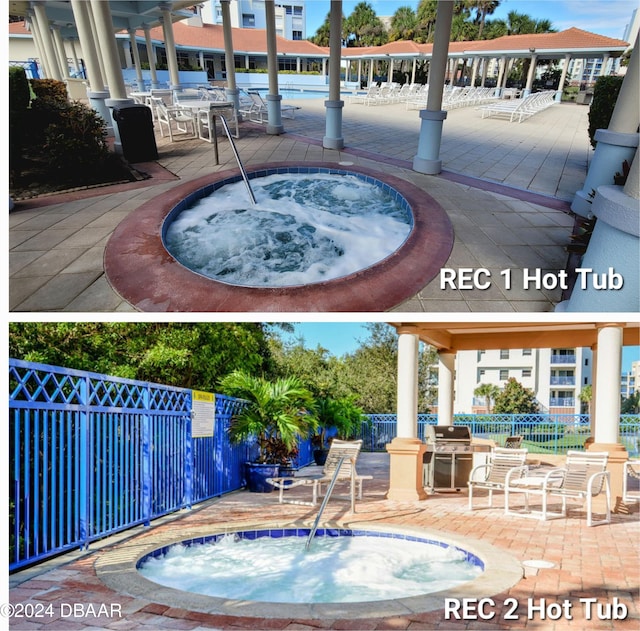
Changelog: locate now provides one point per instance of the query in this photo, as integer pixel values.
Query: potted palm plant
(276, 413)
(341, 418)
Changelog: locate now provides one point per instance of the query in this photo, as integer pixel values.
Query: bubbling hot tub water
(305, 228)
(341, 566)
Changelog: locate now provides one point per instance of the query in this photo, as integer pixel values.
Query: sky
(604, 17)
(344, 337)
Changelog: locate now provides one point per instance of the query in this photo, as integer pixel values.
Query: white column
(608, 384)
(151, 57)
(531, 74)
(413, 69)
(109, 49)
(136, 58)
(333, 125)
(370, 80)
(96, 93)
(74, 56)
(42, 22)
(618, 142)
(502, 64)
(96, 45)
(37, 40)
(446, 378)
(274, 99)
(61, 51)
(390, 70)
(231, 91)
(408, 344)
(109, 53)
(427, 160)
(406, 450)
(170, 47)
(474, 71)
(485, 68)
(563, 76)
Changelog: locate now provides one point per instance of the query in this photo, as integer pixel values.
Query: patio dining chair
(348, 449)
(178, 121)
(583, 477)
(504, 465)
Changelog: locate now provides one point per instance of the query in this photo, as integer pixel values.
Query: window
(504, 354)
(248, 20)
(504, 375)
(526, 372)
(296, 34)
(297, 10)
(586, 361)
(526, 351)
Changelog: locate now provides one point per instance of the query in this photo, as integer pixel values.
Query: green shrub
(19, 97)
(76, 141)
(49, 93)
(605, 94)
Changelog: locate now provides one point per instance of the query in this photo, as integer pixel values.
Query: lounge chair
(258, 111)
(582, 478)
(504, 465)
(350, 449)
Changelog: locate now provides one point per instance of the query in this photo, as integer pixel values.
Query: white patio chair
(349, 449)
(582, 478)
(631, 470)
(177, 120)
(504, 465)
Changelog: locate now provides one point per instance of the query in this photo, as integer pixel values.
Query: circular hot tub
(412, 243)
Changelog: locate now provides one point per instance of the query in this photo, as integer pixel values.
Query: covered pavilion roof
(459, 336)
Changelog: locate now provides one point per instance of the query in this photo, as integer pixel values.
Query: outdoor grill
(449, 457)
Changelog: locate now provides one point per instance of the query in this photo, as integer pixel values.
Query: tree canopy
(201, 355)
(471, 22)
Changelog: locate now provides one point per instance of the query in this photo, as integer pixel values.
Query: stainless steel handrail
(334, 479)
(237, 155)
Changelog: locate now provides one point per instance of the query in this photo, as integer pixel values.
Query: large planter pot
(320, 456)
(256, 476)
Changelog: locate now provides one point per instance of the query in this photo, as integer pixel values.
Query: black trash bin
(135, 125)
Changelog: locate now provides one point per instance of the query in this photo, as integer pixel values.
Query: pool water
(305, 228)
(335, 569)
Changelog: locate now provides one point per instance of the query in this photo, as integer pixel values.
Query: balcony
(562, 381)
(562, 402)
(563, 359)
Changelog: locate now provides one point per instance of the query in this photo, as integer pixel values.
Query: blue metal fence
(542, 433)
(91, 455)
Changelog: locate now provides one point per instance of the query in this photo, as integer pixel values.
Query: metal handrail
(334, 479)
(252, 197)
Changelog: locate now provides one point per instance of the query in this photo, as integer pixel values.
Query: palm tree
(489, 391)
(483, 8)
(586, 395)
(277, 412)
(403, 24)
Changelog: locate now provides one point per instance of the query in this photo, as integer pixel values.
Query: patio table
(211, 109)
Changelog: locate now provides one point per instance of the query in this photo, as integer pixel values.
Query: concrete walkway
(590, 580)
(505, 187)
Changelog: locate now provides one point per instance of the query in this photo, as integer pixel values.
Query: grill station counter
(449, 458)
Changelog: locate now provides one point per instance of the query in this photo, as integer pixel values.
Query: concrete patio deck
(505, 187)
(593, 581)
